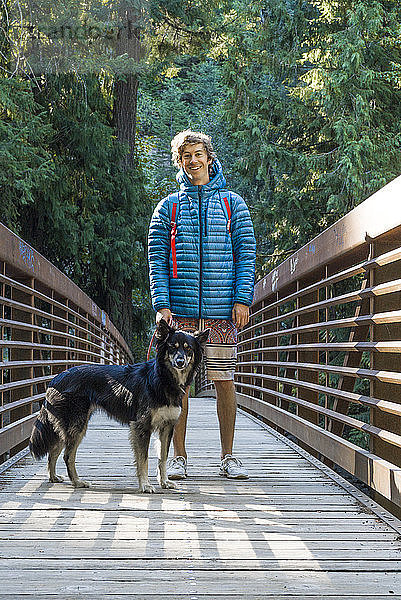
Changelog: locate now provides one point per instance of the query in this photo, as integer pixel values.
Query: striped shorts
(221, 347)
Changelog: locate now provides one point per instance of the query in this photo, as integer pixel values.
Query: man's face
(195, 162)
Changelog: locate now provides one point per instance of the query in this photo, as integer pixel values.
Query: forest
(302, 99)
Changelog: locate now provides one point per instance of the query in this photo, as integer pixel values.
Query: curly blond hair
(186, 137)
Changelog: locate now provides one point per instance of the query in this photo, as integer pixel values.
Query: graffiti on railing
(27, 255)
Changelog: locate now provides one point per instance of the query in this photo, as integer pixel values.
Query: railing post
(386, 361)
(308, 355)
(290, 355)
(268, 355)
(358, 333)
(60, 340)
(31, 335)
(2, 337)
(21, 354)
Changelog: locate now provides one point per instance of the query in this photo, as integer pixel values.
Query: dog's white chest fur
(163, 414)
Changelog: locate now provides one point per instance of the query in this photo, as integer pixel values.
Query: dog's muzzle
(179, 360)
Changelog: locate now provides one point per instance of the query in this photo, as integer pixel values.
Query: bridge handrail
(47, 324)
(324, 343)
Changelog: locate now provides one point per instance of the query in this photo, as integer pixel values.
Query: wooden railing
(321, 356)
(47, 324)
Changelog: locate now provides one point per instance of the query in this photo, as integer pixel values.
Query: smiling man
(202, 267)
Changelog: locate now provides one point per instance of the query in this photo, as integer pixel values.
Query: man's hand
(240, 315)
(166, 314)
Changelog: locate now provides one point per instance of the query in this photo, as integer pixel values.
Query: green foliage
(90, 219)
(26, 166)
(179, 27)
(65, 193)
(314, 99)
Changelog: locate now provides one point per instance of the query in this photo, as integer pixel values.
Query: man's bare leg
(226, 412)
(180, 429)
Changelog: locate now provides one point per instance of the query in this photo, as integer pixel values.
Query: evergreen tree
(314, 101)
(90, 219)
(87, 210)
(25, 164)
(353, 91)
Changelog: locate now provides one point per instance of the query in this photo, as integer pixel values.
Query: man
(202, 266)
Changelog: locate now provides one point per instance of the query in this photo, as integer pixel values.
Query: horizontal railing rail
(47, 324)
(321, 357)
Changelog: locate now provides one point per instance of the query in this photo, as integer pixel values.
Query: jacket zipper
(200, 251)
(173, 235)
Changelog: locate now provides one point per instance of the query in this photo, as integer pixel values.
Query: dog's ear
(163, 330)
(202, 336)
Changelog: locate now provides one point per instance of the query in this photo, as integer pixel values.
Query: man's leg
(231, 466)
(226, 412)
(180, 429)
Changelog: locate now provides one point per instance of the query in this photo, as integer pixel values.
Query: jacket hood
(217, 181)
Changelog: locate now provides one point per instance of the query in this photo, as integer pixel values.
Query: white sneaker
(177, 468)
(232, 468)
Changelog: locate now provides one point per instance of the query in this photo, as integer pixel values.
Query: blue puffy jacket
(205, 273)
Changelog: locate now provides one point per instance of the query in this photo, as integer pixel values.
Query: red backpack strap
(228, 210)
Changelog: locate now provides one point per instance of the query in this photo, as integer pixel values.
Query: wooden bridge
(318, 382)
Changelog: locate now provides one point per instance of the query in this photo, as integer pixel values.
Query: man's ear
(202, 336)
(163, 330)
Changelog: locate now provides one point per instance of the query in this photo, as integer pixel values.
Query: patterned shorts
(221, 347)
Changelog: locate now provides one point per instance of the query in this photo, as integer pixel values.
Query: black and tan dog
(146, 396)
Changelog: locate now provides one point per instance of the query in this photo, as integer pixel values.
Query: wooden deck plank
(191, 595)
(170, 583)
(289, 532)
(117, 564)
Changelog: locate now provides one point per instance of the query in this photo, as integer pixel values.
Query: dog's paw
(79, 483)
(169, 485)
(146, 488)
(56, 479)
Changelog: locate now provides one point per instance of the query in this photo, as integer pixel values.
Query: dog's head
(181, 349)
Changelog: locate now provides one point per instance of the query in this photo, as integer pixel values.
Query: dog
(146, 396)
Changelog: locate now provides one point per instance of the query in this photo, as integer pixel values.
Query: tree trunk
(124, 115)
(126, 84)
(124, 121)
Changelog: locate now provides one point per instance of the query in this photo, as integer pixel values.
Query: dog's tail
(43, 435)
